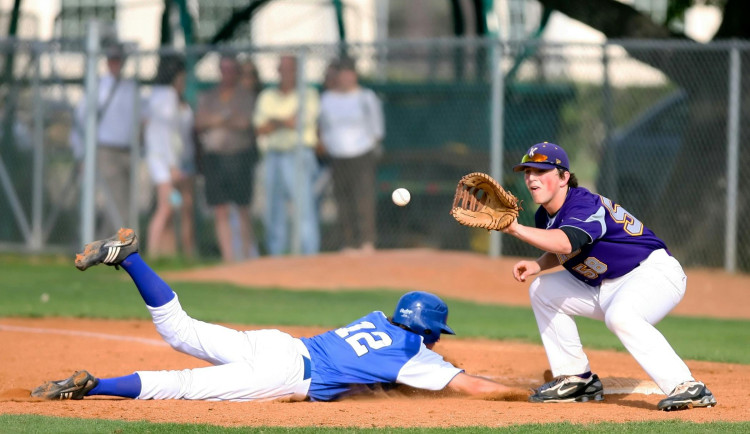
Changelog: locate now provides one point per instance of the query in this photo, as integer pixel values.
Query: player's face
(544, 185)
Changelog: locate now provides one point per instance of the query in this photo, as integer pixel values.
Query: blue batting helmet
(423, 313)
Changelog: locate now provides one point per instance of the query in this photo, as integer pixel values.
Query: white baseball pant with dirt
(249, 365)
(629, 305)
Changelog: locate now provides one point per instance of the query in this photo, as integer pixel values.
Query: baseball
(401, 196)
(44, 298)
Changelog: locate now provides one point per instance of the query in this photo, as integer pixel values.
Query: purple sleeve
(586, 217)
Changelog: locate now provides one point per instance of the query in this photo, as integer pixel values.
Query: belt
(308, 369)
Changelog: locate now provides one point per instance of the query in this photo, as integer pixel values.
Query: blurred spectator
(249, 77)
(290, 166)
(223, 121)
(329, 77)
(170, 154)
(351, 128)
(116, 127)
(323, 184)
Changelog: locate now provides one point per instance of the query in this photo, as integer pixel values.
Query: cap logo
(405, 312)
(532, 151)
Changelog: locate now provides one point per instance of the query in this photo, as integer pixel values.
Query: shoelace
(554, 381)
(683, 387)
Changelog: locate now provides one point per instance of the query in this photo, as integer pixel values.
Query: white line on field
(80, 333)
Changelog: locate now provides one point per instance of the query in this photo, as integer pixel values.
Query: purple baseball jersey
(618, 241)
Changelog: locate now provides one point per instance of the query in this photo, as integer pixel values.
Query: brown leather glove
(480, 202)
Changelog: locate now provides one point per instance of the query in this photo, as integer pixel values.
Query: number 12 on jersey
(363, 341)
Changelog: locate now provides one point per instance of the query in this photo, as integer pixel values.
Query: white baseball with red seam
(401, 196)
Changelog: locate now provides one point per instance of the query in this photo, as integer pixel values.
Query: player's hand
(524, 269)
(511, 228)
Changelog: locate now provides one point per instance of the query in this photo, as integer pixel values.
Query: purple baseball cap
(544, 156)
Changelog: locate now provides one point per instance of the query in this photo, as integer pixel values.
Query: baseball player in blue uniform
(616, 270)
(269, 364)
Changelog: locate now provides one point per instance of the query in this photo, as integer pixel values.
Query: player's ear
(564, 178)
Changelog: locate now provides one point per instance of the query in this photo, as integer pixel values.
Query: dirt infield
(35, 350)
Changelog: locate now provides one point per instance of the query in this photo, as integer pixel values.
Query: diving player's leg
(232, 381)
(634, 303)
(121, 250)
(154, 291)
(555, 299)
(236, 381)
(209, 342)
(277, 370)
(128, 386)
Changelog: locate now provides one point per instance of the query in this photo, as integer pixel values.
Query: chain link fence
(656, 126)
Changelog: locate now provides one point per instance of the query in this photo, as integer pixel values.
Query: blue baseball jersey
(371, 351)
(618, 241)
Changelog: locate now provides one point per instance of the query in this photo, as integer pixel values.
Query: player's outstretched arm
(484, 388)
(549, 240)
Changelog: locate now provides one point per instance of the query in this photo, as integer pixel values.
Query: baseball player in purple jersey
(269, 364)
(616, 270)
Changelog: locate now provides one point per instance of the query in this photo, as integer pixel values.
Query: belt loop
(308, 371)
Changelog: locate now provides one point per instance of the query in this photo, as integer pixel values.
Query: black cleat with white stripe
(570, 388)
(111, 251)
(74, 387)
(688, 395)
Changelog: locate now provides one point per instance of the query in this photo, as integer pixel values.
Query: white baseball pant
(629, 305)
(249, 365)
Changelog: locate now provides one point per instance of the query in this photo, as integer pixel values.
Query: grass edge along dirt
(12, 423)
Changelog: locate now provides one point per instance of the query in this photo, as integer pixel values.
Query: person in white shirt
(351, 128)
(116, 126)
(170, 155)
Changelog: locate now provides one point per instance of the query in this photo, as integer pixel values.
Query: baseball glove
(480, 202)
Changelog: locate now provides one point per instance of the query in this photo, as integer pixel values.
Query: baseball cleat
(686, 395)
(74, 387)
(110, 251)
(569, 388)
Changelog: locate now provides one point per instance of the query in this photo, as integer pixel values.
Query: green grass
(44, 424)
(102, 292)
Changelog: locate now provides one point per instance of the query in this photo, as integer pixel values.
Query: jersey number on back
(362, 342)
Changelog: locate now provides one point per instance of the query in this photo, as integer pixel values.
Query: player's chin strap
(402, 326)
(426, 332)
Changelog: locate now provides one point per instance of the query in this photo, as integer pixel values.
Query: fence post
(89, 158)
(733, 158)
(497, 103)
(38, 170)
(612, 186)
(135, 147)
(296, 241)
